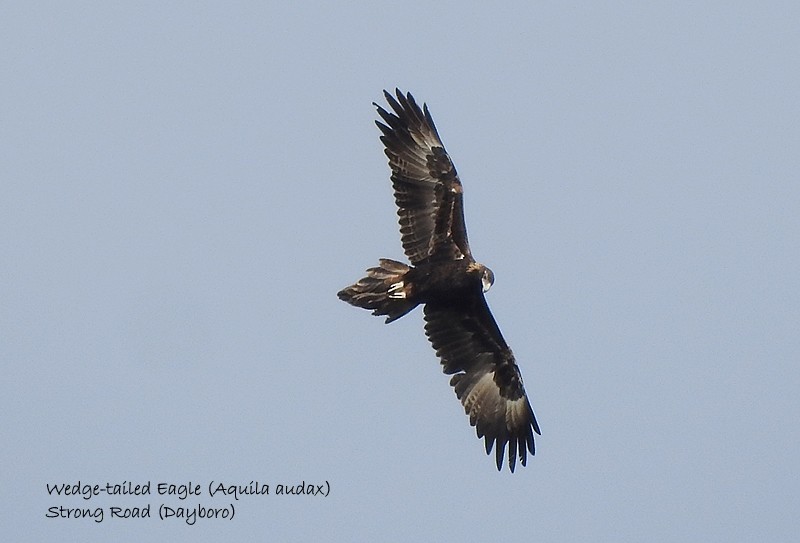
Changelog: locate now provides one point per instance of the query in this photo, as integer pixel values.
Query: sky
(186, 186)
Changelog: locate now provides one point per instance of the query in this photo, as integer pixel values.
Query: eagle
(444, 277)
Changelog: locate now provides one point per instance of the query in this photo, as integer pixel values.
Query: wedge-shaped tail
(383, 290)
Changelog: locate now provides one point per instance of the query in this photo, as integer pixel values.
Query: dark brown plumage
(449, 282)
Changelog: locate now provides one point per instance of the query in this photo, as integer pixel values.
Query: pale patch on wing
(425, 138)
(484, 403)
(517, 413)
(482, 397)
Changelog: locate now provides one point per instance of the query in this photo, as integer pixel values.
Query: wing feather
(427, 190)
(485, 376)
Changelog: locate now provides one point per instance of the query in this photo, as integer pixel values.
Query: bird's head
(487, 279)
(476, 269)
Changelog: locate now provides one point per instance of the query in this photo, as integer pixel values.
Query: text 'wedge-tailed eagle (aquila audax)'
(445, 278)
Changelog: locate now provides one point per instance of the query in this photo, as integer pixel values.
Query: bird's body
(446, 279)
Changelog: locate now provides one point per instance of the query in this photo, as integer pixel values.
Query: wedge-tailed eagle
(445, 277)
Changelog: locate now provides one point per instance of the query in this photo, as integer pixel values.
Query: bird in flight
(447, 280)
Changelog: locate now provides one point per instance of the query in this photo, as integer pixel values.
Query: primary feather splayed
(449, 282)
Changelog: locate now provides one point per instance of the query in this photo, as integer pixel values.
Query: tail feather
(382, 290)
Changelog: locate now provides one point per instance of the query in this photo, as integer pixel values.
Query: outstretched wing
(426, 186)
(485, 376)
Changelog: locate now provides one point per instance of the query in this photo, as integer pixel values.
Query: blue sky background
(186, 186)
